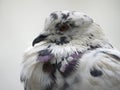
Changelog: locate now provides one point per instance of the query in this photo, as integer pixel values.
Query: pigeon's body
(71, 54)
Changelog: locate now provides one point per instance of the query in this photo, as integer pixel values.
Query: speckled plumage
(72, 53)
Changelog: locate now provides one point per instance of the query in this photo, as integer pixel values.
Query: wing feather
(101, 68)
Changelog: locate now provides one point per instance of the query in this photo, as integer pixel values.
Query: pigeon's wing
(101, 69)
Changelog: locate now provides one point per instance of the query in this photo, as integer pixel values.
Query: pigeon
(71, 53)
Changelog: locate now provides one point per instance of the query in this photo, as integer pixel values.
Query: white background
(22, 20)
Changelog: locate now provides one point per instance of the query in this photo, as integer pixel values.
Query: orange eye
(64, 27)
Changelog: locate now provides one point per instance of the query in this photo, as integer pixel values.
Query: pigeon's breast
(62, 50)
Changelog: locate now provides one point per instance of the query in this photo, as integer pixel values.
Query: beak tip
(38, 39)
(33, 44)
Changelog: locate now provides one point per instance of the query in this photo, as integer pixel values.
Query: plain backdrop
(22, 20)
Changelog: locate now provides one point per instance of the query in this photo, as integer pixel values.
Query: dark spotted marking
(70, 68)
(63, 40)
(68, 21)
(113, 56)
(111, 45)
(62, 59)
(53, 77)
(95, 72)
(91, 47)
(57, 26)
(44, 52)
(49, 46)
(71, 24)
(65, 16)
(95, 47)
(57, 42)
(49, 68)
(54, 15)
(91, 35)
(59, 65)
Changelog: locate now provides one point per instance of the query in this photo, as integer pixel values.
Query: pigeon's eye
(64, 27)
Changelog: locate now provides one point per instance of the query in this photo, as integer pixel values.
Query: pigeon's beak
(39, 39)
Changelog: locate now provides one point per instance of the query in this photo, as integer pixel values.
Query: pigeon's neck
(89, 43)
(91, 39)
(77, 46)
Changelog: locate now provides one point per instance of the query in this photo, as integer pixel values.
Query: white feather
(105, 58)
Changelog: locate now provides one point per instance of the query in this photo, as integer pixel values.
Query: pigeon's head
(62, 26)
